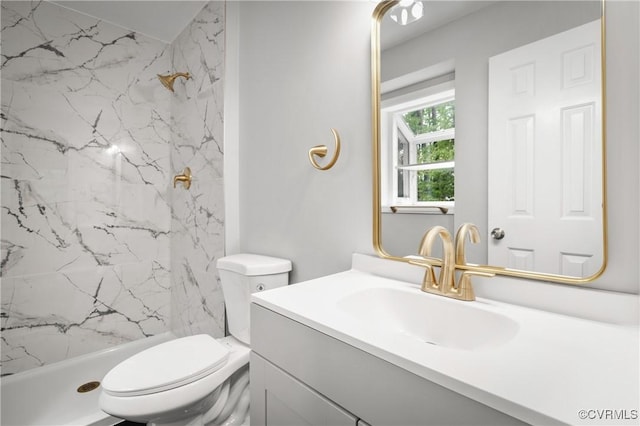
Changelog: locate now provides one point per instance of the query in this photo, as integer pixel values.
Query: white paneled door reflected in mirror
(491, 112)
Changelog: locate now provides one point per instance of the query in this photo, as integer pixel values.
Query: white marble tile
(197, 290)
(86, 214)
(50, 317)
(198, 214)
(97, 247)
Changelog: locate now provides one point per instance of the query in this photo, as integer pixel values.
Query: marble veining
(198, 214)
(90, 143)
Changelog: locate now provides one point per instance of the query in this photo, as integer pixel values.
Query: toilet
(197, 380)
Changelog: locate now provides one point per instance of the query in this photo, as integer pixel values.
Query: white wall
(290, 94)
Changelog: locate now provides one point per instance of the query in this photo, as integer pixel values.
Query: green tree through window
(436, 185)
(433, 184)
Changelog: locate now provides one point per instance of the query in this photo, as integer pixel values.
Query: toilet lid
(166, 366)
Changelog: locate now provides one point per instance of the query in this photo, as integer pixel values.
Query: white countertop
(554, 367)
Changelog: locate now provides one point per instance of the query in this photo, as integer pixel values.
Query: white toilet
(197, 380)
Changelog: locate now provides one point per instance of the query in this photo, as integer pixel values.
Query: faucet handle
(185, 178)
(429, 281)
(465, 289)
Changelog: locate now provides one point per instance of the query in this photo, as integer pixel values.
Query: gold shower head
(168, 80)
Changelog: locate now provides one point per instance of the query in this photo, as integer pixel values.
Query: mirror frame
(379, 12)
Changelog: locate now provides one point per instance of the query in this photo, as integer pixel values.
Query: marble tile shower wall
(86, 188)
(197, 226)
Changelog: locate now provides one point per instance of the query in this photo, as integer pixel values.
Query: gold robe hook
(321, 151)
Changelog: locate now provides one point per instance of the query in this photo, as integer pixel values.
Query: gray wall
(623, 139)
(304, 68)
(402, 233)
(291, 93)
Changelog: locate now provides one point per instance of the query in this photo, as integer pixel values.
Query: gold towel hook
(321, 151)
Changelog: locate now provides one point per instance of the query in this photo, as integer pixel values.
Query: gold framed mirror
(492, 112)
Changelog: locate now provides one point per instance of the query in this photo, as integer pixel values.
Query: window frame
(391, 124)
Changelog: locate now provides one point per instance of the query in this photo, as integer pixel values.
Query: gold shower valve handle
(185, 178)
(321, 151)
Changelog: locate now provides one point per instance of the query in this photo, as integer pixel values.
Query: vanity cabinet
(281, 400)
(302, 376)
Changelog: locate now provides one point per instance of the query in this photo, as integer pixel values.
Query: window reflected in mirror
(419, 138)
(519, 148)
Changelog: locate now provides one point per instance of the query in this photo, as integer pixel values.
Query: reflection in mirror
(490, 112)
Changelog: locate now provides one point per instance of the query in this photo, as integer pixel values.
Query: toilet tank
(243, 274)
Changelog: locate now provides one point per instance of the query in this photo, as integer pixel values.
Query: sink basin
(432, 319)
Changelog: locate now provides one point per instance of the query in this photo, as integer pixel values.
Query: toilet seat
(166, 366)
(154, 407)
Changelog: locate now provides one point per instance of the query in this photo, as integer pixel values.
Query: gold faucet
(474, 236)
(452, 257)
(446, 278)
(464, 287)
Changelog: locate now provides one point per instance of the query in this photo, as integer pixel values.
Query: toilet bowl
(197, 380)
